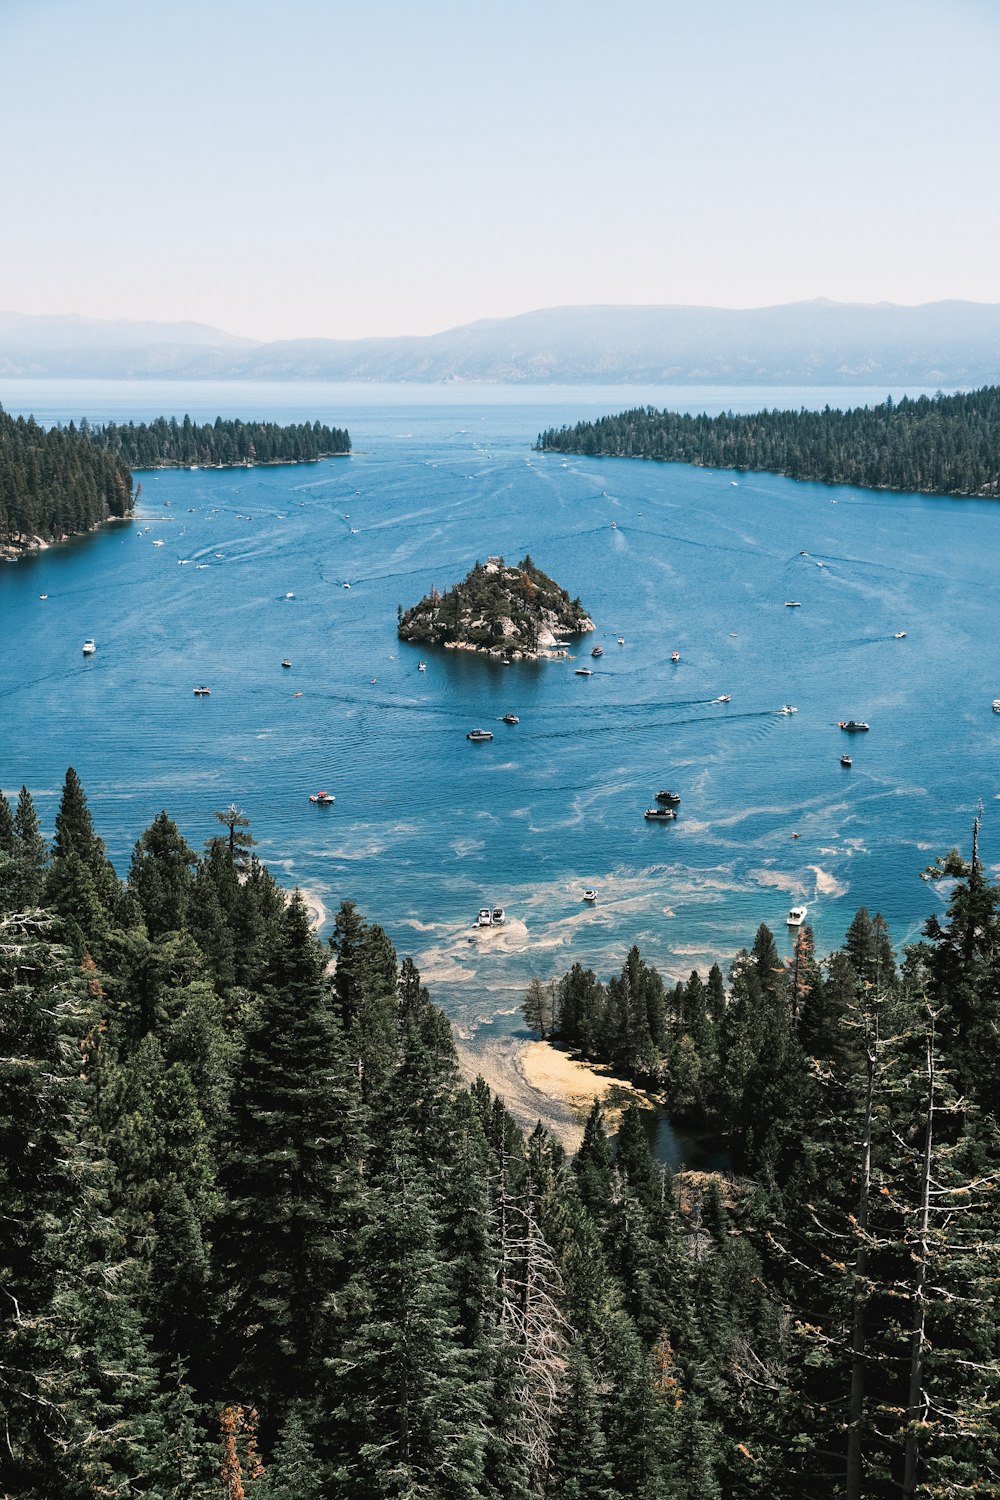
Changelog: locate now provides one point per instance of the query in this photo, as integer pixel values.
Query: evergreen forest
(943, 445)
(258, 1240)
(166, 444)
(62, 481)
(55, 483)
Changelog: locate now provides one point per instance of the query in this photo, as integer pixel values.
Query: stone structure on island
(518, 613)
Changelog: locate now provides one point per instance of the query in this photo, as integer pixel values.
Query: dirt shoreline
(538, 1081)
(318, 914)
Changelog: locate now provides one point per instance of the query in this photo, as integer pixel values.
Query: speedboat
(788, 708)
(671, 799)
(590, 894)
(286, 662)
(89, 648)
(852, 726)
(845, 760)
(900, 635)
(597, 651)
(203, 692)
(511, 719)
(584, 672)
(322, 799)
(621, 640)
(479, 735)
(659, 814)
(421, 666)
(499, 916)
(675, 656)
(793, 603)
(485, 918)
(43, 596)
(289, 596)
(723, 698)
(996, 705)
(797, 916)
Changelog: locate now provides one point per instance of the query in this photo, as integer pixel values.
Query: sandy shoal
(538, 1081)
(314, 906)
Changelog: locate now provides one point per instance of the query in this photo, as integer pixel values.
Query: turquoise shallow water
(426, 827)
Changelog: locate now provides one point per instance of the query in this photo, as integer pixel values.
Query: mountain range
(938, 344)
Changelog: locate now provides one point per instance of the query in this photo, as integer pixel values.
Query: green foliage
(55, 483)
(945, 445)
(30, 852)
(496, 608)
(165, 444)
(240, 1193)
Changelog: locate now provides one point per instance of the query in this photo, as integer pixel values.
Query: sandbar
(538, 1081)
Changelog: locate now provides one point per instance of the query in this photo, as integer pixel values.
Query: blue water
(427, 827)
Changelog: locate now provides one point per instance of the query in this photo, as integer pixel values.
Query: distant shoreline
(258, 463)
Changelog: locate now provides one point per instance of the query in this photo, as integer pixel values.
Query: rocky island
(518, 612)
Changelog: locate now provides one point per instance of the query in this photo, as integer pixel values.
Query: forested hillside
(948, 445)
(54, 483)
(258, 1241)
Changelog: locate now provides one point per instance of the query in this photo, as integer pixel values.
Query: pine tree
(77, 1383)
(538, 1007)
(634, 1159)
(289, 1177)
(580, 1469)
(410, 1419)
(238, 840)
(161, 876)
(74, 834)
(31, 854)
(869, 948)
(592, 1164)
(7, 835)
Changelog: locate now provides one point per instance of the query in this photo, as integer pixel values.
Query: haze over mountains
(805, 343)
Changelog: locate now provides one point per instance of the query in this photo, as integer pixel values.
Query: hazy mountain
(94, 347)
(803, 343)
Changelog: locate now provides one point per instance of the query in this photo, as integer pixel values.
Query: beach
(538, 1081)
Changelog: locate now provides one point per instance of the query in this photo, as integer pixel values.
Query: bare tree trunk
(915, 1403)
(859, 1327)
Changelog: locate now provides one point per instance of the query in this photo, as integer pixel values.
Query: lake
(311, 563)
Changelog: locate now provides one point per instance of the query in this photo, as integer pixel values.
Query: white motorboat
(89, 648)
(797, 916)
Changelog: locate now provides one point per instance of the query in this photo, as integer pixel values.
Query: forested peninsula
(54, 483)
(516, 612)
(166, 444)
(259, 1242)
(62, 481)
(945, 445)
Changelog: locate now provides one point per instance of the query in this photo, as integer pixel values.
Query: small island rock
(515, 612)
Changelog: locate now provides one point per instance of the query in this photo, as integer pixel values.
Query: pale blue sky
(338, 170)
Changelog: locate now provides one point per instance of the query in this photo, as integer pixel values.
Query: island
(941, 445)
(518, 613)
(62, 481)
